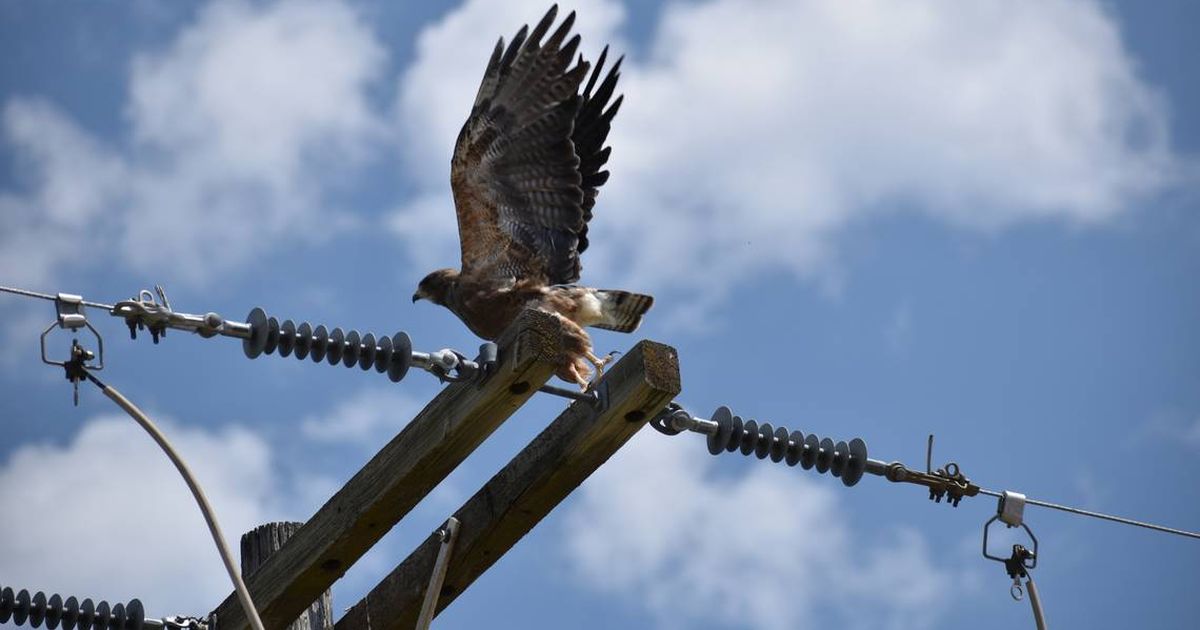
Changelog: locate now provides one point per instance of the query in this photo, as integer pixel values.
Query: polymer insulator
(386, 355)
(845, 460)
(54, 612)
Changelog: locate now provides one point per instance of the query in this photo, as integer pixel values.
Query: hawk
(525, 175)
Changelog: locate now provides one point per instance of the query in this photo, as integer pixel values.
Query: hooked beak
(416, 297)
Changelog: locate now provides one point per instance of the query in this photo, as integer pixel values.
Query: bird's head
(436, 286)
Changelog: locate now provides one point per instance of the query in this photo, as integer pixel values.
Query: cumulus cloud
(368, 418)
(237, 129)
(107, 516)
(754, 131)
(689, 546)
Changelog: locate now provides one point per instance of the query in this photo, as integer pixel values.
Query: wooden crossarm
(442, 435)
(578, 442)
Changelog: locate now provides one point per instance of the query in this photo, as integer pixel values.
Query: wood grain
(442, 435)
(578, 442)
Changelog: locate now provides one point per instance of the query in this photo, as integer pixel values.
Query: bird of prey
(525, 174)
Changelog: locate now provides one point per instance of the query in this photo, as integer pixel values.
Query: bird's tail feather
(622, 310)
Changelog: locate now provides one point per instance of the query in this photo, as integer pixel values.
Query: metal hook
(1016, 591)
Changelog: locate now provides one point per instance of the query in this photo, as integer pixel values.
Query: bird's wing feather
(526, 164)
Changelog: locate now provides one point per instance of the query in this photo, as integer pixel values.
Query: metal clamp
(70, 316)
(1011, 509)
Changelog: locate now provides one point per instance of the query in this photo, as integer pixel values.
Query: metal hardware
(70, 316)
(1029, 560)
(1011, 509)
(447, 535)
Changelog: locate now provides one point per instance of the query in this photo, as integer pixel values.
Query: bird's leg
(578, 372)
(598, 362)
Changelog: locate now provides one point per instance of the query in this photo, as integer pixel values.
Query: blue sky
(859, 218)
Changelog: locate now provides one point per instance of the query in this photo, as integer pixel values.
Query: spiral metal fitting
(846, 460)
(70, 614)
(391, 355)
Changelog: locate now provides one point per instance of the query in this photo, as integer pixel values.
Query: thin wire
(1107, 517)
(209, 516)
(47, 296)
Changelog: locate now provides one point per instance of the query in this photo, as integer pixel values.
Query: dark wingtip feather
(514, 47)
(561, 33)
(587, 91)
(612, 111)
(568, 51)
(535, 38)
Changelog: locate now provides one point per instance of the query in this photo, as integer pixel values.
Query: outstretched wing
(526, 165)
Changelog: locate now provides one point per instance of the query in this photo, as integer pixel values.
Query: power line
(47, 296)
(1107, 517)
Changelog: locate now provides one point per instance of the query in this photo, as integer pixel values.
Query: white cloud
(238, 131)
(107, 516)
(368, 418)
(754, 131)
(770, 549)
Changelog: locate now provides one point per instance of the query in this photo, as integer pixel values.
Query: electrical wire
(209, 516)
(1035, 602)
(1107, 517)
(47, 296)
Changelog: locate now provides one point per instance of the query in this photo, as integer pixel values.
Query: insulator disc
(384, 355)
(287, 337)
(87, 614)
(766, 435)
(303, 341)
(37, 609)
(825, 455)
(21, 612)
(70, 613)
(272, 335)
(350, 356)
(103, 614)
(858, 462)
(811, 444)
(337, 344)
(749, 437)
(841, 455)
(779, 446)
(795, 448)
(8, 600)
(118, 618)
(719, 440)
(401, 357)
(136, 614)
(735, 435)
(367, 360)
(257, 342)
(54, 610)
(320, 344)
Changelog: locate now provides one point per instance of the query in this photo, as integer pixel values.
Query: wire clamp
(70, 316)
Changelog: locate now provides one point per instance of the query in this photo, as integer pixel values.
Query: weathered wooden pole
(261, 543)
(578, 442)
(441, 436)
